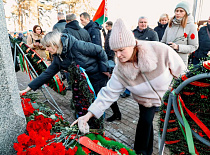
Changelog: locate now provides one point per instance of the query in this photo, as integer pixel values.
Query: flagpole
(104, 12)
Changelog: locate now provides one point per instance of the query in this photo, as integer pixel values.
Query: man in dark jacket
(60, 25)
(143, 32)
(93, 28)
(89, 56)
(72, 27)
(109, 52)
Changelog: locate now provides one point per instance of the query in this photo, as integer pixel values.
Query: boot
(116, 113)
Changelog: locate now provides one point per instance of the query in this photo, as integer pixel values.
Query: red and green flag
(101, 14)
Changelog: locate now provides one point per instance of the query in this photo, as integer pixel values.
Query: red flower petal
(192, 36)
(185, 35)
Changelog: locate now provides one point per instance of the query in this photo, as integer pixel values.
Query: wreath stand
(173, 100)
(53, 103)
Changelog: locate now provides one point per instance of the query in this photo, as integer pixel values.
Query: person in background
(162, 24)
(143, 32)
(203, 50)
(34, 41)
(72, 27)
(15, 35)
(110, 53)
(181, 33)
(141, 66)
(93, 28)
(25, 36)
(67, 50)
(20, 37)
(60, 25)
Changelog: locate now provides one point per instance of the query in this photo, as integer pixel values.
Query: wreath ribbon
(88, 81)
(196, 119)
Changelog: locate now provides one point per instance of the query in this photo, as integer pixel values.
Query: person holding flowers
(146, 69)
(181, 33)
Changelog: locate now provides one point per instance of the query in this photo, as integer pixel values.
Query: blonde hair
(53, 39)
(163, 16)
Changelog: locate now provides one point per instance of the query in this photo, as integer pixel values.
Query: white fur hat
(121, 36)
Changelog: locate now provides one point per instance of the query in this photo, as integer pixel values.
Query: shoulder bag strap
(152, 87)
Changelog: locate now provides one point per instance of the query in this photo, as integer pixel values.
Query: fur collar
(147, 61)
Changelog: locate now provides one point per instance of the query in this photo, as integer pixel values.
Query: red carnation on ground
(48, 150)
(86, 150)
(123, 151)
(34, 151)
(185, 35)
(71, 151)
(59, 116)
(23, 138)
(58, 148)
(192, 36)
(107, 138)
(18, 147)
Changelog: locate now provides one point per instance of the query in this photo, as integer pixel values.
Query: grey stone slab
(12, 118)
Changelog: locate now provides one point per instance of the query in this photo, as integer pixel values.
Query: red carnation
(95, 141)
(48, 149)
(70, 151)
(192, 36)
(123, 151)
(23, 138)
(86, 150)
(34, 151)
(185, 35)
(203, 96)
(107, 138)
(18, 147)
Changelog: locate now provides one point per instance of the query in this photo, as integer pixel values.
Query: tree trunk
(12, 119)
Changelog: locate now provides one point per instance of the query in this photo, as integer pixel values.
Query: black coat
(160, 29)
(75, 30)
(60, 25)
(204, 42)
(147, 34)
(89, 56)
(93, 29)
(109, 52)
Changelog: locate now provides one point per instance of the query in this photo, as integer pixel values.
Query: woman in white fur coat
(138, 62)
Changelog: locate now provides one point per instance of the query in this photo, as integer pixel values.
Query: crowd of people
(142, 62)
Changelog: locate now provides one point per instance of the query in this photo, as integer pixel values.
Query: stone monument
(12, 119)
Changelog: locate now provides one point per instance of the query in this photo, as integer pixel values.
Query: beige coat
(31, 43)
(187, 44)
(159, 63)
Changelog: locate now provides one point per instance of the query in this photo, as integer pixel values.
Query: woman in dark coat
(66, 50)
(204, 43)
(162, 24)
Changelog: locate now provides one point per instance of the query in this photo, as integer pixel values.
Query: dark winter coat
(160, 29)
(60, 25)
(93, 29)
(204, 42)
(109, 52)
(89, 56)
(75, 30)
(147, 34)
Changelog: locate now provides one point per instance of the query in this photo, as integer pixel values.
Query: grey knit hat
(184, 5)
(121, 36)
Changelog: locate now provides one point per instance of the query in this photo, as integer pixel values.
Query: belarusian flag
(101, 14)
